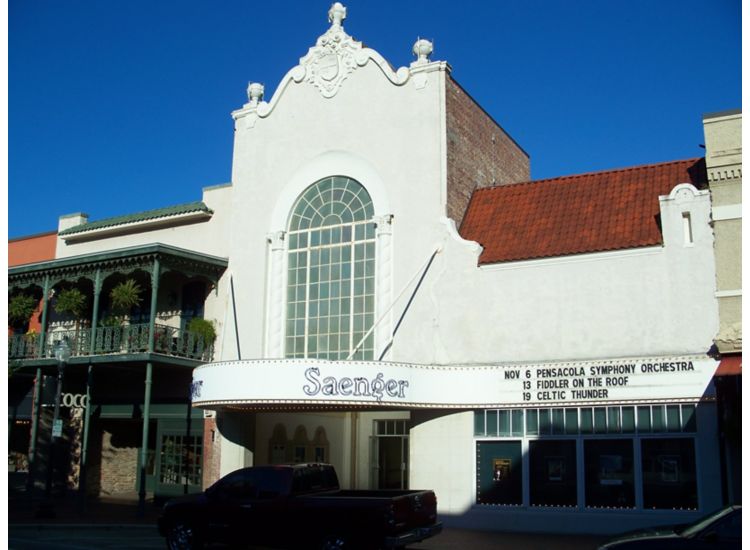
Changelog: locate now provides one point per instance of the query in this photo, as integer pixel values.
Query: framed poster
(669, 466)
(610, 468)
(500, 469)
(555, 468)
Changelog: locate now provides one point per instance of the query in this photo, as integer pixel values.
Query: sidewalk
(33, 508)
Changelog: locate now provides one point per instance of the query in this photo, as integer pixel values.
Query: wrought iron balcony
(117, 340)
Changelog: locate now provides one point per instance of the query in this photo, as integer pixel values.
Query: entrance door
(390, 455)
(179, 459)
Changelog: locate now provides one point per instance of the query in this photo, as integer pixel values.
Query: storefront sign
(74, 400)
(401, 385)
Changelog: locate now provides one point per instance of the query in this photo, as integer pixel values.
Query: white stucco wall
(639, 302)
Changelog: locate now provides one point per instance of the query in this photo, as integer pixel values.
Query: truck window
(314, 478)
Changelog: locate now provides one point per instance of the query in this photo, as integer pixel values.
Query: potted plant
(125, 296)
(203, 329)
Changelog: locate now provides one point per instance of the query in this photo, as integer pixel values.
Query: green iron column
(45, 307)
(36, 409)
(89, 381)
(147, 392)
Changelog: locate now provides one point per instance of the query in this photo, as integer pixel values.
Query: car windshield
(701, 524)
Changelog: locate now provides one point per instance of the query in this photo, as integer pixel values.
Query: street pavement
(113, 523)
(145, 537)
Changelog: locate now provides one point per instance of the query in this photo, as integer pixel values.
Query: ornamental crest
(334, 56)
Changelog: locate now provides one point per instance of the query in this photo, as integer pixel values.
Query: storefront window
(553, 473)
(499, 472)
(609, 473)
(669, 480)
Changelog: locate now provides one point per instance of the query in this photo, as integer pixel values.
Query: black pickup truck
(297, 506)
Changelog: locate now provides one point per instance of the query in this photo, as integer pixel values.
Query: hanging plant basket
(20, 309)
(71, 301)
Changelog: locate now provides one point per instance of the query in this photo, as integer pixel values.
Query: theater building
(393, 295)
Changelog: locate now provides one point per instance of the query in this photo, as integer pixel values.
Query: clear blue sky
(122, 106)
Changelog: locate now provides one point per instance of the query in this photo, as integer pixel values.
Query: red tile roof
(598, 211)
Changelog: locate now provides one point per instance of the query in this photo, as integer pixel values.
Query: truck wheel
(334, 541)
(182, 537)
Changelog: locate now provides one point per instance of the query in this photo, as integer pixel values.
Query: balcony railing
(118, 340)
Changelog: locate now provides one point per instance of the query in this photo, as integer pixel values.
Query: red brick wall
(211, 452)
(36, 248)
(119, 457)
(480, 153)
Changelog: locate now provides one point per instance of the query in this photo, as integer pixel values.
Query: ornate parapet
(328, 64)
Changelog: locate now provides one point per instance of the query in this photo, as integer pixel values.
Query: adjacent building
(392, 294)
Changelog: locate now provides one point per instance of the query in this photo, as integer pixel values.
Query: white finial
(336, 14)
(255, 93)
(422, 49)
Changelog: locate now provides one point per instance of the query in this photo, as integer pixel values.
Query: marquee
(315, 383)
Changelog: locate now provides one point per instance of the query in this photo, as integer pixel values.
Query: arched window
(331, 273)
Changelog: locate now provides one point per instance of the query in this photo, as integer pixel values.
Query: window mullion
(307, 291)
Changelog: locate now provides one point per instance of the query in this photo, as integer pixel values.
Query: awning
(731, 365)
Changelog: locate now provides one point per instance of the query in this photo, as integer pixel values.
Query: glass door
(390, 455)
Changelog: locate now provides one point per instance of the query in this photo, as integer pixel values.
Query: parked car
(297, 506)
(721, 530)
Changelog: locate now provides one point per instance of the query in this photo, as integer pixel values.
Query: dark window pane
(587, 421)
(532, 422)
(491, 422)
(517, 422)
(644, 419)
(571, 421)
(673, 418)
(544, 422)
(688, 418)
(499, 472)
(478, 422)
(613, 419)
(609, 473)
(669, 480)
(558, 421)
(628, 420)
(503, 419)
(600, 420)
(553, 473)
(657, 416)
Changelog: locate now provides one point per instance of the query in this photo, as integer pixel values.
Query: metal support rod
(95, 312)
(144, 442)
(45, 308)
(236, 326)
(408, 304)
(36, 408)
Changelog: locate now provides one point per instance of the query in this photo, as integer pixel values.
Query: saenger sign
(404, 385)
